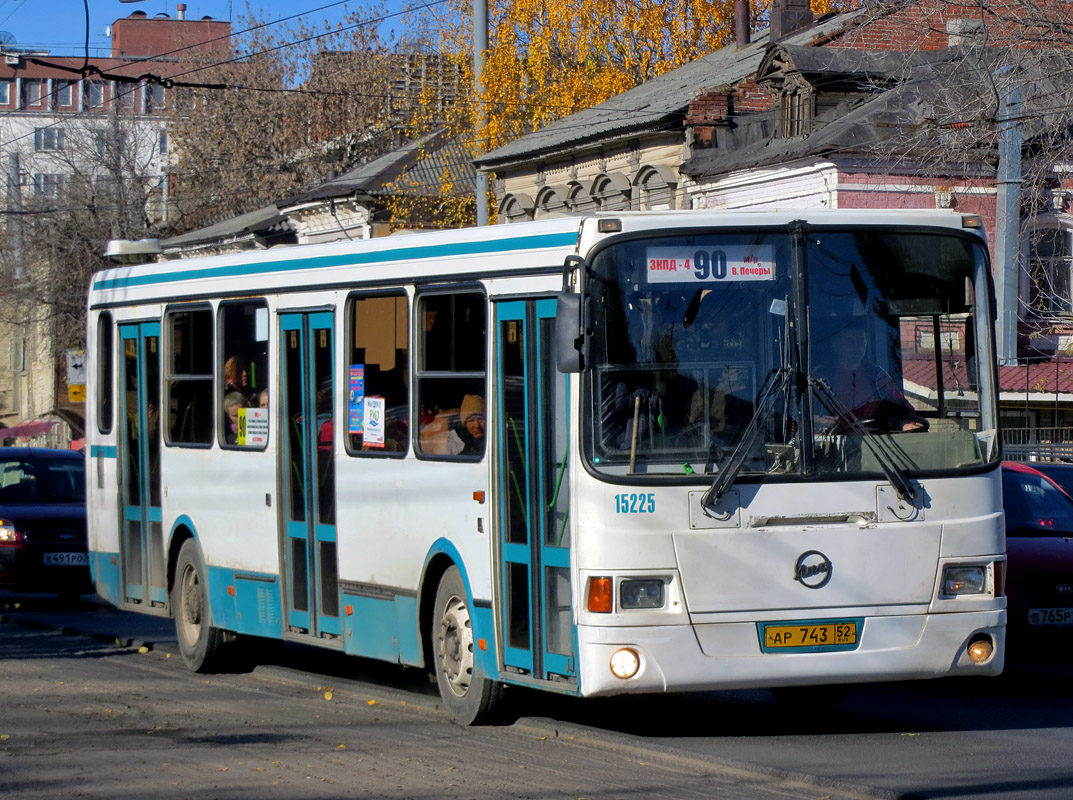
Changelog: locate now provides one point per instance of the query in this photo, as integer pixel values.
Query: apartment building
(67, 121)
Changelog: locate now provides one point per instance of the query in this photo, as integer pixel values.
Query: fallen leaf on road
(143, 649)
(328, 694)
(372, 702)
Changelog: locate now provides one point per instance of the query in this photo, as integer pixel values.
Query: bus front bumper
(713, 656)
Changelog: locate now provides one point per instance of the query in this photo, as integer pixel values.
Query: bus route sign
(710, 265)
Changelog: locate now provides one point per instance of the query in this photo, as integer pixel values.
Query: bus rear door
(141, 550)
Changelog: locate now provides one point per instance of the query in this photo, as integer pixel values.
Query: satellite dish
(7, 38)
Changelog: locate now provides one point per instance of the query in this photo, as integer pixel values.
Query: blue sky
(62, 28)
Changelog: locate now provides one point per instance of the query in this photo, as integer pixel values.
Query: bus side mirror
(572, 332)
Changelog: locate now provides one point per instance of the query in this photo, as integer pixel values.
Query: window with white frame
(50, 138)
(47, 184)
(1050, 258)
(94, 94)
(154, 98)
(33, 93)
(65, 94)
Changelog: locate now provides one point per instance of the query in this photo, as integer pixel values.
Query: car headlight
(959, 580)
(8, 534)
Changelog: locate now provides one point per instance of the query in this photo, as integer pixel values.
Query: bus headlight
(625, 663)
(645, 593)
(959, 580)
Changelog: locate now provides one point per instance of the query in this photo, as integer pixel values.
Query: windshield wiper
(776, 380)
(880, 448)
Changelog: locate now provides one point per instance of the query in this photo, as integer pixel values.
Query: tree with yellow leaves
(548, 59)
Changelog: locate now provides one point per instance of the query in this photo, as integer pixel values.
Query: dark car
(1060, 472)
(43, 521)
(1039, 547)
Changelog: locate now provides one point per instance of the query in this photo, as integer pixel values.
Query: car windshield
(699, 336)
(42, 480)
(1034, 506)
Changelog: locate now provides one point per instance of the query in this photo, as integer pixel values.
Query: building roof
(658, 103)
(263, 221)
(423, 161)
(909, 104)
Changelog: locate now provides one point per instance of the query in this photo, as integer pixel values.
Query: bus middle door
(310, 574)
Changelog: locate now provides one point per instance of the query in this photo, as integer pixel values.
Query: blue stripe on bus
(102, 451)
(349, 259)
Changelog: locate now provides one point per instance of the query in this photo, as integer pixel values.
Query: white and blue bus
(630, 453)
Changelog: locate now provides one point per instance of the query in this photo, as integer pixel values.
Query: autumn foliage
(548, 59)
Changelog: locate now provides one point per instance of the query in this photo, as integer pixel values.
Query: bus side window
(188, 380)
(244, 381)
(378, 374)
(451, 388)
(105, 362)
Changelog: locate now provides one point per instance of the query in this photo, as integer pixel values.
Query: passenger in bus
(233, 401)
(468, 438)
(237, 378)
(864, 387)
(262, 399)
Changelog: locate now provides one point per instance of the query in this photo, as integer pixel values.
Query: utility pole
(1008, 221)
(480, 47)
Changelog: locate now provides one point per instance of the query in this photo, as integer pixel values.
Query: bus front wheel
(203, 646)
(469, 696)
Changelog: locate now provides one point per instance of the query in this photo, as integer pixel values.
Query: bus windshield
(839, 350)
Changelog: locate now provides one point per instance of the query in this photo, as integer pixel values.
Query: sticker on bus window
(355, 398)
(252, 427)
(710, 265)
(374, 422)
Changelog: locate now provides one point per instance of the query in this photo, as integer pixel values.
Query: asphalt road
(382, 734)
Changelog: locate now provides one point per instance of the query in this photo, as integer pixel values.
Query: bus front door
(141, 551)
(308, 462)
(536, 622)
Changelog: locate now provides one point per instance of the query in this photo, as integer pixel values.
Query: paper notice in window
(252, 427)
(374, 422)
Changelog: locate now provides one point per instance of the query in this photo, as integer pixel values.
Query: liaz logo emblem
(813, 569)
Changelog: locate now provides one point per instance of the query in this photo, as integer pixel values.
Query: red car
(1039, 547)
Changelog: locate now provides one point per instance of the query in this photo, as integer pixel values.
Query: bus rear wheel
(468, 694)
(203, 646)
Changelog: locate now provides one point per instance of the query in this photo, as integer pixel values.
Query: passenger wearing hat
(468, 440)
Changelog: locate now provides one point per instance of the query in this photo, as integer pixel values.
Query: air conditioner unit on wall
(12, 60)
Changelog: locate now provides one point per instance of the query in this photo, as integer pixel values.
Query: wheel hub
(456, 646)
